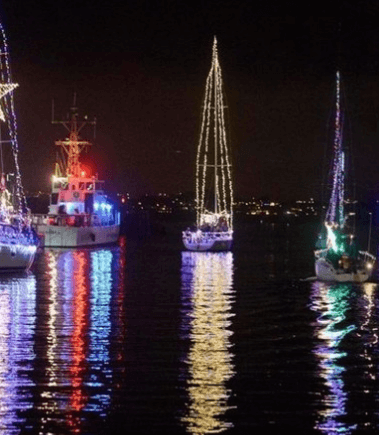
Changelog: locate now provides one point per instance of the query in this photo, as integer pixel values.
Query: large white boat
(18, 241)
(214, 191)
(338, 258)
(80, 211)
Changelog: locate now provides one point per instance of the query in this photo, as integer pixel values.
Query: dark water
(145, 338)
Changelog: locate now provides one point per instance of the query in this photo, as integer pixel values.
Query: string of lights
(335, 211)
(7, 114)
(213, 168)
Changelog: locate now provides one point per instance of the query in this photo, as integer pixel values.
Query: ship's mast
(213, 133)
(335, 212)
(215, 65)
(73, 146)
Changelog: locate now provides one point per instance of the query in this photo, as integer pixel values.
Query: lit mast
(215, 65)
(335, 212)
(213, 118)
(73, 146)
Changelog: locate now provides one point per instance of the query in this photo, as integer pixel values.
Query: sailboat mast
(214, 196)
(215, 62)
(335, 212)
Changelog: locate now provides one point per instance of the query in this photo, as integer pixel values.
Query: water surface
(146, 338)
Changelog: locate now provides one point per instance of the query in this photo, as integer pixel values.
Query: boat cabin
(80, 196)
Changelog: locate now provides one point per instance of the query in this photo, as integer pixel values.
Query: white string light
(335, 211)
(213, 175)
(7, 114)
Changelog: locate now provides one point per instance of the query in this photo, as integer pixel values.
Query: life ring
(76, 195)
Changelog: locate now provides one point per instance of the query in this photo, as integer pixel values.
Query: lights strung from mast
(213, 167)
(7, 115)
(335, 212)
(5, 88)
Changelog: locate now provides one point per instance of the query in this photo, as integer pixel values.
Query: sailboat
(18, 241)
(80, 212)
(214, 190)
(339, 258)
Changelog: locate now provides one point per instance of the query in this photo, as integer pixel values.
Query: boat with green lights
(339, 259)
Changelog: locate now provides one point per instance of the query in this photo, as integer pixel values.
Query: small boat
(214, 190)
(18, 241)
(338, 258)
(80, 211)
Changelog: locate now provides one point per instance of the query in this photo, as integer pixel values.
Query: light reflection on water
(336, 321)
(17, 325)
(75, 332)
(207, 298)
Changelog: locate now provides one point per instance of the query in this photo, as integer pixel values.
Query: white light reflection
(207, 298)
(101, 283)
(368, 333)
(331, 302)
(17, 326)
(57, 322)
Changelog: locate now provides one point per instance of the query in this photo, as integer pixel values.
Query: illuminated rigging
(213, 167)
(335, 211)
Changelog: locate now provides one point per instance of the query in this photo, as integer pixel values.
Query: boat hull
(69, 236)
(208, 241)
(326, 271)
(16, 257)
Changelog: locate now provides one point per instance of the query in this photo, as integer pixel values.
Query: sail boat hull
(14, 257)
(208, 241)
(326, 271)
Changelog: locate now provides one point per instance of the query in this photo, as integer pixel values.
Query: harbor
(189, 219)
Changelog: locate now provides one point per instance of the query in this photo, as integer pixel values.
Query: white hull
(15, 257)
(69, 236)
(325, 271)
(209, 241)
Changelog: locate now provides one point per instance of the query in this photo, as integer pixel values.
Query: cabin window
(54, 198)
(89, 186)
(65, 187)
(73, 187)
(82, 185)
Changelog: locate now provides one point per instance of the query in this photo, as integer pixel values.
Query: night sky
(140, 69)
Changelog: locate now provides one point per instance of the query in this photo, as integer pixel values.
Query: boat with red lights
(214, 189)
(18, 241)
(80, 211)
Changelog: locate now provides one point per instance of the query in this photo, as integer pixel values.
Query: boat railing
(367, 256)
(72, 220)
(17, 235)
(207, 234)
